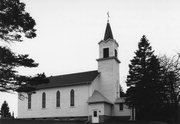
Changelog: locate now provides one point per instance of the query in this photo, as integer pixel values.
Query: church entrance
(95, 116)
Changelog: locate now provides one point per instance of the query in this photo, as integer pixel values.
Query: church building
(93, 96)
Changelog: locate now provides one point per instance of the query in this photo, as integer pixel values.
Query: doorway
(95, 116)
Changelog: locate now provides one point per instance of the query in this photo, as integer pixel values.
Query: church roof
(70, 79)
(97, 97)
(108, 33)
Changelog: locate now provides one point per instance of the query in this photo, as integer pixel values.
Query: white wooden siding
(80, 108)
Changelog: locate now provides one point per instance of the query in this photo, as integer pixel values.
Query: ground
(21, 121)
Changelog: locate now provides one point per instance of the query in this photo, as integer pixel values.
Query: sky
(68, 32)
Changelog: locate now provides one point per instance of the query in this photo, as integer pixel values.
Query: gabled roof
(70, 79)
(97, 97)
(108, 33)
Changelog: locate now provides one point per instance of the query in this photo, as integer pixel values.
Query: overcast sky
(68, 32)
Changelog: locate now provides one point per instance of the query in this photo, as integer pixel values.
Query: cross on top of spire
(108, 16)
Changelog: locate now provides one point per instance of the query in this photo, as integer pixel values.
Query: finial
(108, 16)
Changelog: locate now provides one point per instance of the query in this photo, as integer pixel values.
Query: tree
(15, 22)
(5, 113)
(144, 86)
(15, 25)
(122, 93)
(171, 69)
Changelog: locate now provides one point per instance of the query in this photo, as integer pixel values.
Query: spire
(108, 33)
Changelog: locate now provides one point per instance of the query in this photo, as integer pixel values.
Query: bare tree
(171, 79)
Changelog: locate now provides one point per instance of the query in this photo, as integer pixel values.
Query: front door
(95, 116)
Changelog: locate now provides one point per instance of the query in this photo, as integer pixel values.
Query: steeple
(108, 65)
(108, 33)
(108, 47)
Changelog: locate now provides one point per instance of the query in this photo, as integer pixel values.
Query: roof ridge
(74, 73)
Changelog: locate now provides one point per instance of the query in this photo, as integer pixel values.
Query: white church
(93, 95)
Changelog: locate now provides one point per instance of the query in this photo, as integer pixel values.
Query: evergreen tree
(144, 83)
(5, 113)
(122, 93)
(15, 25)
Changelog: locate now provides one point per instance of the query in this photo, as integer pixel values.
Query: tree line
(153, 84)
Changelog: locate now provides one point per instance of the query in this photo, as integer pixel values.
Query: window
(44, 100)
(115, 51)
(57, 99)
(72, 98)
(105, 52)
(121, 106)
(29, 101)
(95, 114)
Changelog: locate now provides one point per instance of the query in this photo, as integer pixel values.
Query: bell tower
(108, 47)
(108, 65)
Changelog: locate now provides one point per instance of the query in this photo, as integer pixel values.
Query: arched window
(44, 100)
(57, 99)
(72, 98)
(29, 101)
